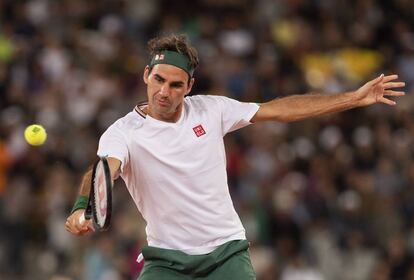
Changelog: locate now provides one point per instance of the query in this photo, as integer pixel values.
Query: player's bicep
(114, 167)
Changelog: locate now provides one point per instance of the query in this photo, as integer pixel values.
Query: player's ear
(190, 85)
(146, 74)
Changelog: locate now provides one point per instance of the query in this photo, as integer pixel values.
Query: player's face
(166, 87)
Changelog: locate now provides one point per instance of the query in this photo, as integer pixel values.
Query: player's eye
(159, 79)
(177, 85)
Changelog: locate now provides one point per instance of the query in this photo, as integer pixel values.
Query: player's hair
(176, 43)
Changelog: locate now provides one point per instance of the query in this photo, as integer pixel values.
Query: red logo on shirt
(199, 130)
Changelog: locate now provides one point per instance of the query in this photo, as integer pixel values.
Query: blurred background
(328, 198)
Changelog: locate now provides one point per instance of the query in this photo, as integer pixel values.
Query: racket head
(101, 194)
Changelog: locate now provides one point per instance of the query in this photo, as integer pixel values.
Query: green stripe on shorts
(229, 261)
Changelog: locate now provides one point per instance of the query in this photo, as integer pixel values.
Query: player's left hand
(378, 89)
(74, 226)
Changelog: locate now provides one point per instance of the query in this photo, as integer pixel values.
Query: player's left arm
(299, 107)
(73, 224)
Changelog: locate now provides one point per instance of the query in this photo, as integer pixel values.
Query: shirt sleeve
(112, 144)
(235, 114)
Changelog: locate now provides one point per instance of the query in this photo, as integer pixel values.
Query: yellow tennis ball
(35, 134)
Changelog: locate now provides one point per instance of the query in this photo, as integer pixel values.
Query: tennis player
(170, 153)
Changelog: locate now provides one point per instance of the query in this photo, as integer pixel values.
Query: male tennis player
(170, 153)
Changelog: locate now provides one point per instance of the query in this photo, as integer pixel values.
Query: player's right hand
(75, 227)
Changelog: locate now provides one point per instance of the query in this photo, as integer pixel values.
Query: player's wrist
(81, 203)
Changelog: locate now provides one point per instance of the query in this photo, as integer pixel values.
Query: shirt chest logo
(199, 130)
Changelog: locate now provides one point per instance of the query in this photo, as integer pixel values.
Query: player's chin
(164, 109)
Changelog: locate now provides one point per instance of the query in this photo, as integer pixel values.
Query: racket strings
(100, 197)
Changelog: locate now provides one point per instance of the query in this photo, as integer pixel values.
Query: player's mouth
(163, 103)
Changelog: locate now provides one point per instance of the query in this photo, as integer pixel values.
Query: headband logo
(173, 58)
(159, 56)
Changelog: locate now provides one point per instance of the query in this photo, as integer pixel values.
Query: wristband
(81, 203)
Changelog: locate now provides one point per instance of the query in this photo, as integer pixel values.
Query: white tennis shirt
(176, 172)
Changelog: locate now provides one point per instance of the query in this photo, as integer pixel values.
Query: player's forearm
(299, 107)
(85, 186)
(86, 183)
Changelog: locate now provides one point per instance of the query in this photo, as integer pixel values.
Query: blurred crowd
(327, 198)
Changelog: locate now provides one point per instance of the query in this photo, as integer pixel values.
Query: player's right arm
(72, 222)
(299, 107)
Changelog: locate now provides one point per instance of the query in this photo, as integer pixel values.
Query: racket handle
(82, 219)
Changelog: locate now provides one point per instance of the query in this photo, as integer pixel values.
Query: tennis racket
(100, 197)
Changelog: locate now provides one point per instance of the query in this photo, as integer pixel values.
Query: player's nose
(165, 90)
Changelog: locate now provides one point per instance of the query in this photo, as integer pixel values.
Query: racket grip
(82, 219)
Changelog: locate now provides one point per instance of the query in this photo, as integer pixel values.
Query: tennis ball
(35, 134)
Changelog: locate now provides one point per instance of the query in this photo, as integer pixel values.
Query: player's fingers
(86, 231)
(75, 229)
(90, 227)
(70, 228)
(82, 227)
(394, 93)
(67, 227)
(393, 85)
(76, 226)
(390, 78)
(73, 226)
(86, 226)
(376, 80)
(387, 101)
